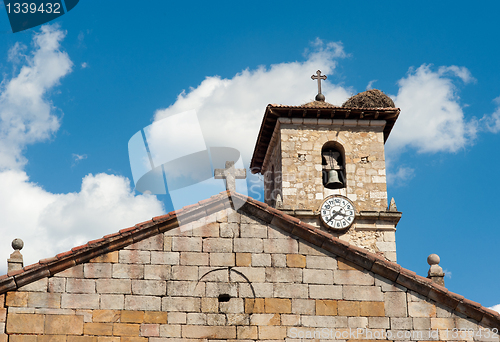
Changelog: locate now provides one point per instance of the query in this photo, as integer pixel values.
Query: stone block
(209, 332)
(421, 309)
(44, 300)
(126, 329)
(130, 316)
(401, 323)
(303, 306)
(326, 307)
(285, 246)
(117, 286)
(195, 318)
(248, 245)
(186, 244)
(167, 243)
(165, 258)
(16, 299)
(229, 230)
(194, 259)
(421, 323)
(321, 262)
(261, 260)
(258, 290)
(253, 274)
(50, 338)
(209, 305)
(295, 260)
(213, 290)
(272, 332)
(157, 272)
(285, 290)
(105, 316)
(275, 233)
(246, 332)
(188, 304)
(309, 249)
(395, 304)
(369, 293)
(372, 309)
(134, 257)
(185, 288)
(134, 302)
(79, 301)
(253, 231)
(325, 291)
(207, 230)
(234, 305)
(184, 273)
(150, 330)
(348, 308)
(128, 271)
(216, 319)
(217, 245)
(149, 287)
(244, 259)
(312, 276)
(357, 322)
(99, 329)
(385, 246)
(222, 259)
(107, 339)
(21, 338)
(177, 318)
(265, 319)
(170, 330)
(353, 277)
(97, 270)
(278, 260)
(112, 302)
(379, 323)
(72, 272)
(324, 321)
(3, 316)
(76, 285)
(111, 257)
(284, 275)
(277, 305)
(25, 324)
(254, 305)
(387, 285)
(213, 274)
(56, 285)
(153, 243)
(442, 323)
(290, 319)
(343, 264)
(63, 325)
(36, 286)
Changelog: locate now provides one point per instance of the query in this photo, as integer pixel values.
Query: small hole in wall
(224, 297)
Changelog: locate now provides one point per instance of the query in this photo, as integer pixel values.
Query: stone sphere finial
(433, 259)
(17, 244)
(320, 97)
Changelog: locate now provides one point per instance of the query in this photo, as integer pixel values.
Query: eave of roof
(274, 111)
(359, 256)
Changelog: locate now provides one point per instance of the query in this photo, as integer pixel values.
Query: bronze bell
(334, 181)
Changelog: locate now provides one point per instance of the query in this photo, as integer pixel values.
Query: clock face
(337, 212)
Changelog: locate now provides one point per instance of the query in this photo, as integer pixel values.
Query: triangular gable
(368, 261)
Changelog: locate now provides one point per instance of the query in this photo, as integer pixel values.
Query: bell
(333, 181)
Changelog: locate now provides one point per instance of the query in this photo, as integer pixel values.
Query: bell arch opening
(333, 165)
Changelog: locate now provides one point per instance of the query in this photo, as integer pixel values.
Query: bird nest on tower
(373, 98)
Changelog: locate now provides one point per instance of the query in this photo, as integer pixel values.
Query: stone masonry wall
(301, 144)
(232, 279)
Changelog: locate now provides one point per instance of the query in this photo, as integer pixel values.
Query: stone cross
(230, 174)
(319, 77)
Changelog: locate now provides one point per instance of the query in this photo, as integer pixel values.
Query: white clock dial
(337, 212)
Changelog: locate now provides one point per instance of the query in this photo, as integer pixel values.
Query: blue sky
(74, 92)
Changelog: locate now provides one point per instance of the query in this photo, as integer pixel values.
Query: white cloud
(432, 119)
(401, 176)
(84, 65)
(26, 116)
(370, 84)
(491, 122)
(51, 223)
(496, 308)
(230, 110)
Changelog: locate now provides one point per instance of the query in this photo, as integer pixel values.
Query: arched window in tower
(332, 156)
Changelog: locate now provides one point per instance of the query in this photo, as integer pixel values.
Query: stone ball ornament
(17, 244)
(433, 259)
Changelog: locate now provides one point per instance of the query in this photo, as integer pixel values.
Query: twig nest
(372, 98)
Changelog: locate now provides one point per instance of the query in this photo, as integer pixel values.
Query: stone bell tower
(310, 152)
